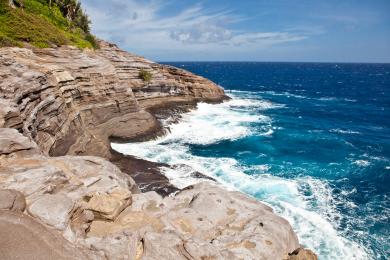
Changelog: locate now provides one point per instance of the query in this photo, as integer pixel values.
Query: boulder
(107, 206)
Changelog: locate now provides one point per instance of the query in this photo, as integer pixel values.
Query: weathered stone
(302, 254)
(21, 237)
(12, 200)
(166, 245)
(71, 102)
(108, 206)
(53, 210)
(81, 220)
(11, 142)
(89, 201)
(122, 245)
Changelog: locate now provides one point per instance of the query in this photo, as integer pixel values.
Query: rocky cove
(67, 195)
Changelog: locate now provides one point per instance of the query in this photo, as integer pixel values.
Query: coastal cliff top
(61, 103)
(44, 23)
(64, 101)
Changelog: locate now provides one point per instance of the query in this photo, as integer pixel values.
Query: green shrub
(43, 25)
(145, 75)
(91, 39)
(5, 41)
(22, 26)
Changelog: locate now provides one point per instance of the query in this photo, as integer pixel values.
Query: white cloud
(140, 26)
(202, 33)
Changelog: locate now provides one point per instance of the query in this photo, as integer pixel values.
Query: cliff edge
(57, 104)
(70, 101)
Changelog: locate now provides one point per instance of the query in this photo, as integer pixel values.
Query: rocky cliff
(58, 104)
(71, 101)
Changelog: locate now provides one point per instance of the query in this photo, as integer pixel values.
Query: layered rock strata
(71, 101)
(84, 207)
(64, 102)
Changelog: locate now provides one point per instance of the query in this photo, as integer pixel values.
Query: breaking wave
(306, 202)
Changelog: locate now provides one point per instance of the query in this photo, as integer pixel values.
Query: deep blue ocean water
(310, 139)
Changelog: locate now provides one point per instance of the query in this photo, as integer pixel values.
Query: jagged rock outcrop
(99, 211)
(71, 101)
(66, 102)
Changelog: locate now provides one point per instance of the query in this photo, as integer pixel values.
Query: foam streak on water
(292, 198)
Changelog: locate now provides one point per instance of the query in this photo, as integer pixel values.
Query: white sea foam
(212, 123)
(286, 94)
(327, 98)
(362, 163)
(342, 131)
(315, 225)
(255, 103)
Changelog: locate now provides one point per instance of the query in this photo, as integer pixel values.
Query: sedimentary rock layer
(64, 102)
(71, 101)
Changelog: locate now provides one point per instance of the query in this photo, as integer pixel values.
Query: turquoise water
(311, 140)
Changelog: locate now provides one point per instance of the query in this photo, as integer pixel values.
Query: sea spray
(214, 123)
(311, 140)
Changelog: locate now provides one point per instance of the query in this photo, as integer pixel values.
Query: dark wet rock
(302, 254)
(146, 174)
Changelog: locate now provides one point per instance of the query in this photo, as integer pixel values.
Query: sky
(246, 30)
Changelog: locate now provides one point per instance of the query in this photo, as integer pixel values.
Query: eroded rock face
(99, 211)
(14, 144)
(65, 102)
(70, 101)
(237, 227)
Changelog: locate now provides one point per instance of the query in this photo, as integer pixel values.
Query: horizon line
(324, 62)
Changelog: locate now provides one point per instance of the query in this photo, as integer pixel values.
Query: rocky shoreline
(59, 110)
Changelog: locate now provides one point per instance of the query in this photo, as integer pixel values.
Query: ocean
(310, 139)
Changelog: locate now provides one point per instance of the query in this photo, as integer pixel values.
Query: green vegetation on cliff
(145, 75)
(44, 23)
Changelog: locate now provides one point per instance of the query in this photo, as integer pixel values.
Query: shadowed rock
(302, 254)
